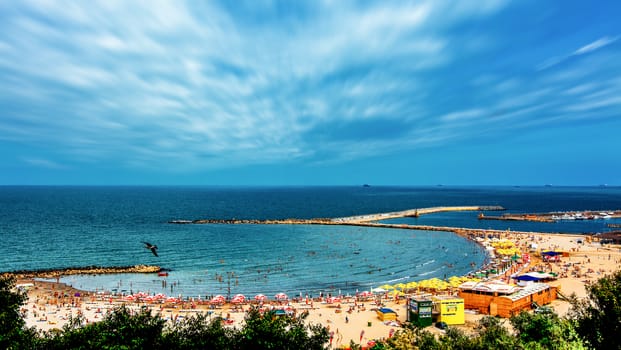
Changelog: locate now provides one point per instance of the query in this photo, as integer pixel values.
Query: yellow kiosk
(449, 309)
(386, 314)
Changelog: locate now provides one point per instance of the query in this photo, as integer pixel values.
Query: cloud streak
(214, 85)
(593, 46)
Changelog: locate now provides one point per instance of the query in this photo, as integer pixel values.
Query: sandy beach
(50, 305)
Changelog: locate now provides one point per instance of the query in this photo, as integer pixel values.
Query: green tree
(493, 335)
(13, 331)
(598, 318)
(270, 331)
(545, 331)
(199, 331)
(457, 339)
(120, 329)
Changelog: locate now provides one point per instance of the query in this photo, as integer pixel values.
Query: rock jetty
(86, 270)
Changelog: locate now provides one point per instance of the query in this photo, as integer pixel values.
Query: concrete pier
(344, 220)
(412, 213)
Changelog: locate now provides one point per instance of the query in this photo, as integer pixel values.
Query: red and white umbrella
(365, 294)
(281, 296)
(171, 300)
(332, 300)
(218, 299)
(239, 298)
(260, 297)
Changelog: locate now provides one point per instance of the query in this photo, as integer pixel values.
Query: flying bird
(152, 247)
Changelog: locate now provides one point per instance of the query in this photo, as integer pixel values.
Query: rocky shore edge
(83, 270)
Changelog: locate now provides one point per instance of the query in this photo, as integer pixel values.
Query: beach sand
(50, 305)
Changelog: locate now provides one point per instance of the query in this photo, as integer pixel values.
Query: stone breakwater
(256, 221)
(86, 270)
(358, 219)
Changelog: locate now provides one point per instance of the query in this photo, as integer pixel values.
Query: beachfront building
(496, 298)
(449, 309)
(420, 311)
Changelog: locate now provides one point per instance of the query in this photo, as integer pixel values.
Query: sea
(57, 227)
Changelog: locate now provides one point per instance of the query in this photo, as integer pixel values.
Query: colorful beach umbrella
(281, 296)
(365, 294)
(239, 298)
(400, 286)
(411, 285)
(218, 299)
(332, 300)
(260, 297)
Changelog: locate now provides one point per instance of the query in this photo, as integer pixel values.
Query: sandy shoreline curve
(51, 304)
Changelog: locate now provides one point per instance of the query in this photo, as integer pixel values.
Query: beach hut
(386, 314)
(420, 311)
(533, 277)
(499, 299)
(449, 309)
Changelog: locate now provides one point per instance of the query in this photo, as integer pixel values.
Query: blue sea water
(67, 226)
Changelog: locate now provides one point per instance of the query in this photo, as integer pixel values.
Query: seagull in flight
(152, 247)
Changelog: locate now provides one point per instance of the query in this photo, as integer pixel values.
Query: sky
(486, 92)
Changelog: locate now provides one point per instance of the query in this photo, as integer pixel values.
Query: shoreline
(51, 304)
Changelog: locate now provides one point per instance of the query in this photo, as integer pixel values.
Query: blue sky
(310, 93)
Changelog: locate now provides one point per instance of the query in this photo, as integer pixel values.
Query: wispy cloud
(593, 46)
(208, 85)
(43, 163)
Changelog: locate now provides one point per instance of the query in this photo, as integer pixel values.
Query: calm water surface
(58, 227)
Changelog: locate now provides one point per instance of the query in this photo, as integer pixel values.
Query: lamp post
(229, 275)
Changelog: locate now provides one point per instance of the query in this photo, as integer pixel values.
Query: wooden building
(500, 299)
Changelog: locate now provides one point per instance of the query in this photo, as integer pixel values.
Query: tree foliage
(545, 331)
(120, 329)
(598, 318)
(13, 333)
(594, 323)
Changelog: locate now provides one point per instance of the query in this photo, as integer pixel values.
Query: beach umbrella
(399, 286)
(365, 294)
(218, 299)
(386, 287)
(239, 298)
(396, 293)
(332, 300)
(411, 285)
(281, 296)
(260, 297)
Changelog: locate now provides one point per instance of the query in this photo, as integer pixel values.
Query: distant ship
(366, 185)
